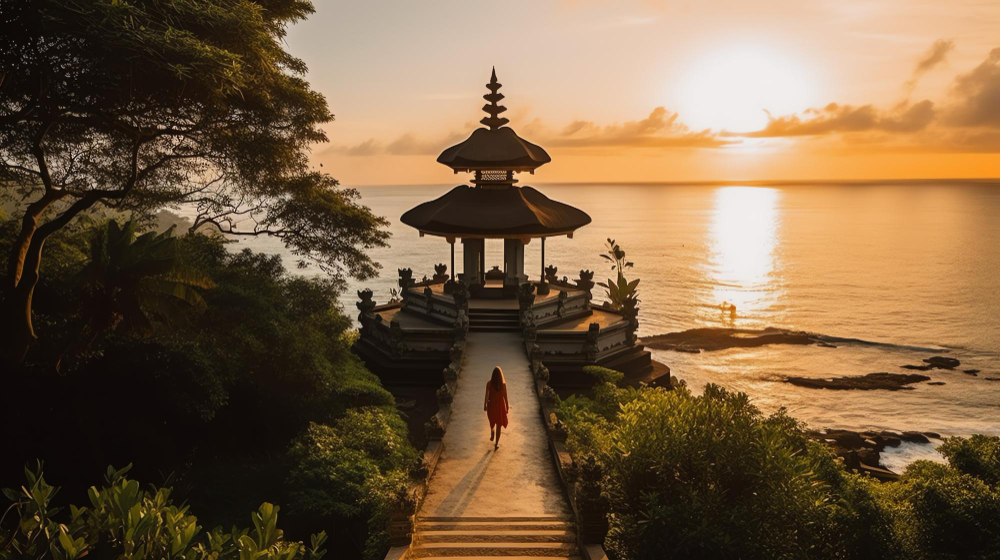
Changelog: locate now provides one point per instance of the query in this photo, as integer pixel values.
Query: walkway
(482, 502)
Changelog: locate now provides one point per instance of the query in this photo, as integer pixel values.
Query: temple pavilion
(408, 341)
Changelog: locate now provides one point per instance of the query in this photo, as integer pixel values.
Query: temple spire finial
(492, 109)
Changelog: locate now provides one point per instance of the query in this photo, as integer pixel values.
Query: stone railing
(401, 520)
(590, 515)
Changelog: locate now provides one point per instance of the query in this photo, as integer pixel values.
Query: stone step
(503, 322)
(495, 536)
(480, 328)
(492, 525)
(504, 557)
(507, 519)
(485, 311)
(493, 549)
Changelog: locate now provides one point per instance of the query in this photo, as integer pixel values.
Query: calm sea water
(908, 265)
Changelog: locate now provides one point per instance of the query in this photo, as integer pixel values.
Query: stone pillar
(513, 259)
(473, 252)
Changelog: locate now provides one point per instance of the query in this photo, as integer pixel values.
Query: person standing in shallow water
(496, 405)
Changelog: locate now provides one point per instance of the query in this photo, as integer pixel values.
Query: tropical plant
(124, 521)
(622, 293)
(130, 280)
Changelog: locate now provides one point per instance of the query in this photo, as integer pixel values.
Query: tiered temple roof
(494, 207)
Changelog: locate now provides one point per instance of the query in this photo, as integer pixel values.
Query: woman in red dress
(496, 405)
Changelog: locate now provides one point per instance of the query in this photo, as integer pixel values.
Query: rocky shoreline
(861, 450)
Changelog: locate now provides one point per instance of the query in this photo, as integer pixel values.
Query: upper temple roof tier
(512, 212)
(497, 147)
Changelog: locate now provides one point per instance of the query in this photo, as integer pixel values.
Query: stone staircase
(494, 320)
(512, 538)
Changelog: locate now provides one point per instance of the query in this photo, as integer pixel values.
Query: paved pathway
(472, 480)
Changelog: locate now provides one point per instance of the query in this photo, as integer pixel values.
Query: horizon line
(715, 183)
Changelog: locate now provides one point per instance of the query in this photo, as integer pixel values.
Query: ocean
(898, 271)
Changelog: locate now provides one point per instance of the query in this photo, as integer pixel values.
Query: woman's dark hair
(497, 380)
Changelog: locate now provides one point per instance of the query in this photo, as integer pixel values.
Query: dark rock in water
(709, 339)
(934, 435)
(971, 371)
(845, 438)
(893, 441)
(936, 383)
(918, 368)
(914, 437)
(992, 378)
(869, 456)
(887, 381)
(943, 362)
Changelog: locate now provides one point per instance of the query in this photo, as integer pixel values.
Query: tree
(138, 105)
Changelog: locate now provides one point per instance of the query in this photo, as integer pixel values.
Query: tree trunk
(23, 273)
(18, 305)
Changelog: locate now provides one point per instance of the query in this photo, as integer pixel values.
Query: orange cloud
(977, 95)
(933, 57)
(836, 118)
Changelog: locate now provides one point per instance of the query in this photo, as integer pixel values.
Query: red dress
(496, 404)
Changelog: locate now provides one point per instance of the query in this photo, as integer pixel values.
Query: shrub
(949, 511)
(358, 466)
(124, 521)
(978, 456)
(711, 476)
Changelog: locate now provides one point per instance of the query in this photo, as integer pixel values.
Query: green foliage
(131, 279)
(708, 476)
(978, 456)
(124, 521)
(713, 477)
(358, 465)
(142, 105)
(216, 405)
(949, 511)
(622, 293)
(604, 375)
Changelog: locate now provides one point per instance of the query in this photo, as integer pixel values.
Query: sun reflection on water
(742, 264)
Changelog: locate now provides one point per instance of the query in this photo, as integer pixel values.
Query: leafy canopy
(140, 104)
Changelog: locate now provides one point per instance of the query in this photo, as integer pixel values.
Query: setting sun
(734, 88)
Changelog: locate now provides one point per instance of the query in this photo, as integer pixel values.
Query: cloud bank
(966, 120)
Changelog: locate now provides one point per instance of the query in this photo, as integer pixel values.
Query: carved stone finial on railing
(400, 521)
(429, 296)
(405, 278)
(550, 273)
(460, 292)
(367, 304)
(525, 304)
(586, 280)
(440, 272)
(591, 501)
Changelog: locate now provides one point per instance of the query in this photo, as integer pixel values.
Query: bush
(124, 521)
(358, 466)
(711, 477)
(949, 511)
(214, 406)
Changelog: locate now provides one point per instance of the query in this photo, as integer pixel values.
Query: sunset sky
(663, 91)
